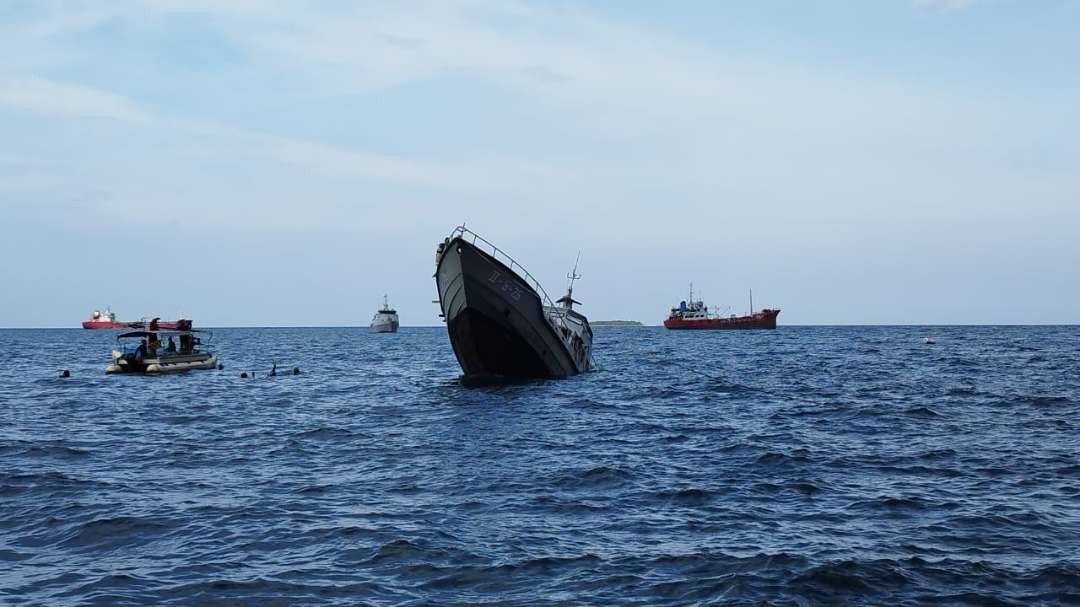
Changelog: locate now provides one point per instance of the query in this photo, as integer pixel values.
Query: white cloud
(606, 85)
(48, 97)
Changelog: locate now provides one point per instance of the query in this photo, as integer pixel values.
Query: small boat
(144, 352)
(501, 322)
(695, 315)
(929, 340)
(385, 320)
(106, 319)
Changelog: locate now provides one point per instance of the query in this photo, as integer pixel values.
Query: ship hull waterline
(496, 322)
(384, 327)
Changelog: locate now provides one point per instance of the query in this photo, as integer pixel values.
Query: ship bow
(495, 321)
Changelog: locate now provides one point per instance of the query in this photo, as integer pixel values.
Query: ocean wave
(774, 458)
(598, 476)
(42, 449)
(50, 481)
(324, 434)
(1043, 400)
(682, 497)
(114, 532)
(923, 412)
(806, 466)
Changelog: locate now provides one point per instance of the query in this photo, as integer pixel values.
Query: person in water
(172, 345)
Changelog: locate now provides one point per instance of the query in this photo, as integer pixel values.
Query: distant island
(615, 323)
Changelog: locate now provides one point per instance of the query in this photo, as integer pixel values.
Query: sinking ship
(501, 322)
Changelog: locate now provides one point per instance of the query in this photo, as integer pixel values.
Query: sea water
(806, 465)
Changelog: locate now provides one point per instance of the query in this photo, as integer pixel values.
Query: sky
(252, 163)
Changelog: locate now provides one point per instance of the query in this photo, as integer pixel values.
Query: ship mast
(751, 302)
(568, 299)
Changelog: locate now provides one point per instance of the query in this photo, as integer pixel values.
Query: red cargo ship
(695, 315)
(107, 320)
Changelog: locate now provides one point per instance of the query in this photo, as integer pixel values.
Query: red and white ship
(106, 319)
(695, 315)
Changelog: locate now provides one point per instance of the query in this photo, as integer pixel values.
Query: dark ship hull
(498, 324)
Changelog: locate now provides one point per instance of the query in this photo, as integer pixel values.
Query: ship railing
(504, 257)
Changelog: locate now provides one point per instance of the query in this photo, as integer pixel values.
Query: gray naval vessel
(502, 324)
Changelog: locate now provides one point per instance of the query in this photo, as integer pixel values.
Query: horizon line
(806, 325)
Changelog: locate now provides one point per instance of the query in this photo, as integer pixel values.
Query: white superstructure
(106, 315)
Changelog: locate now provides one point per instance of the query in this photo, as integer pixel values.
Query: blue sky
(897, 161)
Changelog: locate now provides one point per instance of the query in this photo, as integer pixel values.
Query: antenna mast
(573, 275)
(568, 301)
